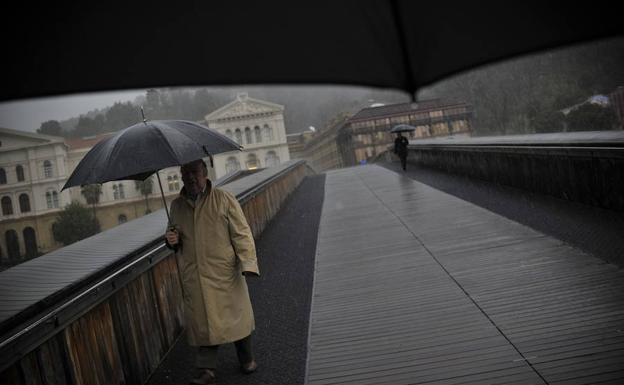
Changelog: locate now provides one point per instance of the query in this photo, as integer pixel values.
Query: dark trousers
(403, 161)
(207, 355)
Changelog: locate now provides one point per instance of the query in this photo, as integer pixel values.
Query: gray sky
(27, 115)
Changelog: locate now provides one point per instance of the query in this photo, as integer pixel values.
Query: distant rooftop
(87, 141)
(401, 108)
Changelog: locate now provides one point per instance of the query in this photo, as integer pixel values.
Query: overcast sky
(28, 115)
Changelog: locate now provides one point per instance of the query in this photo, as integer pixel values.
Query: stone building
(258, 126)
(366, 134)
(34, 169)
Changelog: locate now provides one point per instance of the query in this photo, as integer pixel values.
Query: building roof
(87, 141)
(402, 108)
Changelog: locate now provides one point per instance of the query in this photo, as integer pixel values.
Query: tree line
(530, 94)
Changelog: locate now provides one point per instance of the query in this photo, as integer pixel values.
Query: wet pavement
(594, 230)
(280, 297)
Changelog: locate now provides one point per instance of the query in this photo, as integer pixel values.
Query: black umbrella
(402, 128)
(141, 150)
(402, 44)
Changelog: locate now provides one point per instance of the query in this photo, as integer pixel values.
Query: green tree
(87, 126)
(122, 115)
(146, 188)
(73, 223)
(51, 127)
(591, 117)
(91, 193)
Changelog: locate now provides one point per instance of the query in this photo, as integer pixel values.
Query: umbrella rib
(171, 150)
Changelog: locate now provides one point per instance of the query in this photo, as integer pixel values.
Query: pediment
(17, 139)
(242, 107)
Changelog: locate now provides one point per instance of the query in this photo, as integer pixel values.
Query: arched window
(7, 206)
(55, 199)
(24, 203)
(228, 133)
(248, 138)
(30, 241)
(47, 169)
(232, 164)
(239, 136)
(252, 162)
(271, 159)
(122, 219)
(268, 133)
(258, 134)
(12, 244)
(19, 170)
(3, 179)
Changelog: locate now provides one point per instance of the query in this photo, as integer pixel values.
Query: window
(122, 195)
(271, 159)
(7, 206)
(19, 170)
(173, 182)
(3, 179)
(122, 219)
(49, 199)
(24, 203)
(115, 192)
(239, 136)
(55, 199)
(252, 162)
(47, 169)
(268, 133)
(232, 164)
(258, 134)
(248, 139)
(228, 133)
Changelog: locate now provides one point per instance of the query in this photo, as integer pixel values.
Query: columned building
(255, 124)
(33, 169)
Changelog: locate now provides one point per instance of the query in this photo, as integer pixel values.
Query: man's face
(194, 177)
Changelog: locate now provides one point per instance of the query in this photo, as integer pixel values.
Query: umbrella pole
(163, 198)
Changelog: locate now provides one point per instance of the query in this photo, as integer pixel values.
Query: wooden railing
(116, 323)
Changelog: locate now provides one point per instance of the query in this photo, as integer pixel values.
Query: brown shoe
(249, 367)
(205, 377)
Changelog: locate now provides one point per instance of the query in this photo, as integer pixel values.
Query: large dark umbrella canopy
(138, 151)
(57, 48)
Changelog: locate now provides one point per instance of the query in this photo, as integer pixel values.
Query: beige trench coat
(216, 246)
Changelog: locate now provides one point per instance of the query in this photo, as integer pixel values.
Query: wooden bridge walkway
(414, 286)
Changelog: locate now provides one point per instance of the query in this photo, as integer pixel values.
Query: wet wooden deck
(416, 286)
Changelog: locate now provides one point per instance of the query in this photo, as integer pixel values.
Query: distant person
(216, 251)
(400, 148)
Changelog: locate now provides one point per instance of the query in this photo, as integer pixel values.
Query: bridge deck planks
(413, 285)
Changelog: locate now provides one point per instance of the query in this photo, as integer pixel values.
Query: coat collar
(206, 193)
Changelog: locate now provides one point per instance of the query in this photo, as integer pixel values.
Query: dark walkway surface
(280, 297)
(596, 231)
(413, 285)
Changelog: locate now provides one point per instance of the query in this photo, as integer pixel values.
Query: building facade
(34, 169)
(255, 124)
(367, 134)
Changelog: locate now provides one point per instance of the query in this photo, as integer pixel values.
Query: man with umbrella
(207, 228)
(400, 144)
(216, 250)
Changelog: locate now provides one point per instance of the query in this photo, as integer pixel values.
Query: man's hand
(173, 238)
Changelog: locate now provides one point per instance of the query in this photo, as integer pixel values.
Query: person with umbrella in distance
(217, 251)
(401, 142)
(206, 228)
